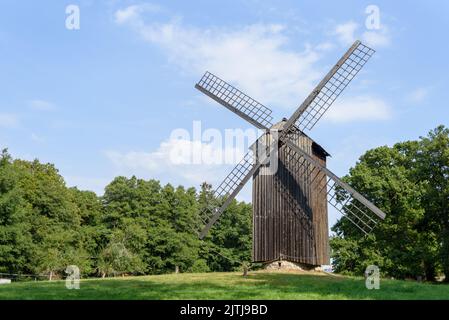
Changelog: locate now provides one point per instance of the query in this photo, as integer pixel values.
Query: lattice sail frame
(349, 207)
(234, 182)
(230, 185)
(356, 208)
(337, 196)
(235, 177)
(305, 117)
(334, 86)
(235, 100)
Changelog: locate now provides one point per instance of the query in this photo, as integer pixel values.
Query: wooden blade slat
(235, 100)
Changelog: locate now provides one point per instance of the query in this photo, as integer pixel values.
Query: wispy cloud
(418, 95)
(8, 120)
(127, 14)
(175, 160)
(255, 57)
(349, 31)
(36, 138)
(132, 13)
(346, 32)
(41, 105)
(361, 108)
(377, 38)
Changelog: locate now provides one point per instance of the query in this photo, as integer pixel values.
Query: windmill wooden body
(290, 203)
(281, 199)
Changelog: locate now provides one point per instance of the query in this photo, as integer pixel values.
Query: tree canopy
(410, 183)
(137, 227)
(142, 227)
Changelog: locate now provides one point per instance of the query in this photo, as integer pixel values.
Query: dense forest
(141, 227)
(410, 183)
(136, 227)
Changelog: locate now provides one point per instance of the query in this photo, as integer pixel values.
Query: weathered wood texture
(290, 209)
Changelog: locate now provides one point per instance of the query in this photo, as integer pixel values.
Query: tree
(92, 234)
(16, 246)
(40, 223)
(409, 183)
(228, 244)
(432, 163)
(158, 222)
(137, 226)
(117, 259)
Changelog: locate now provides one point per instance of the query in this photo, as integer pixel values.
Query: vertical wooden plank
(276, 228)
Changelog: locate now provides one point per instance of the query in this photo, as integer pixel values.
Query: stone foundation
(288, 265)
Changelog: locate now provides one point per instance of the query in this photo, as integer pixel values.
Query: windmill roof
(280, 125)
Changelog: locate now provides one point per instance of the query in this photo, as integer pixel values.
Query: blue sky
(103, 100)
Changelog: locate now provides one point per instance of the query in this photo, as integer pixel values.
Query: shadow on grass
(303, 286)
(226, 286)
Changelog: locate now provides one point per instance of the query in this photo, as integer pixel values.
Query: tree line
(142, 227)
(137, 227)
(410, 183)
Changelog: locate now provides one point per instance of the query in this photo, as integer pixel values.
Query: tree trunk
(444, 254)
(50, 276)
(103, 275)
(429, 270)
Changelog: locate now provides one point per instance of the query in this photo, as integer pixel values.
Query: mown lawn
(258, 285)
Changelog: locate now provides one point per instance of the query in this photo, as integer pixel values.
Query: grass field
(258, 285)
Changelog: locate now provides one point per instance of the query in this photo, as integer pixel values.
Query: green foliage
(137, 226)
(117, 259)
(410, 183)
(229, 243)
(141, 227)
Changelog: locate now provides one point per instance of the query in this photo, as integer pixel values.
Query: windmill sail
(235, 100)
(230, 187)
(361, 212)
(345, 199)
(332, 85)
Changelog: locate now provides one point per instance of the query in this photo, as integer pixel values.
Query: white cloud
(377, 38)
(178, 161)
(346, 32)
(132, 13)
(418, 95)
(41, 105)
(255, 57)
(361, 108)
(8, 120)
(36, 138)
(349, 31)
(325, 46)
(159, 165)
(127, 14)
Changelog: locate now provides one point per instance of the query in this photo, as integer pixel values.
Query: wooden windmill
(290, 204)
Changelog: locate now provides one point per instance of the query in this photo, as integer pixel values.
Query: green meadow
(257, 285)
